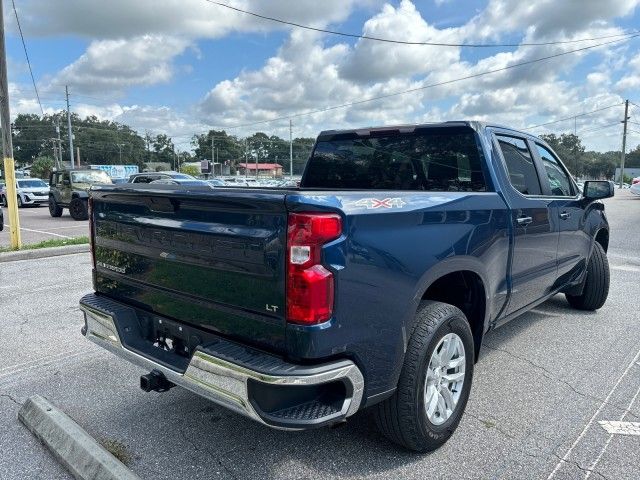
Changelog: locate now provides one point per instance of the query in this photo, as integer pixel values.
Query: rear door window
(434, 159)
(522, 171)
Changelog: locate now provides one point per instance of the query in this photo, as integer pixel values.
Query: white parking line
(620, 428)
(46, 233)
(606, 444)
(72, 226)
(586, 427)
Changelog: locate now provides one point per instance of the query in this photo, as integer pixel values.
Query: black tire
(78, 209)
(4, 202)
(403, 417)
(55, 210)
(596, 286)
(19, 201)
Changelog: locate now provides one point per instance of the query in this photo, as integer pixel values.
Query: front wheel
(4, 201)
(55, 210)
(434, 383)
(78, 209)
(596, 285)
(19, 201)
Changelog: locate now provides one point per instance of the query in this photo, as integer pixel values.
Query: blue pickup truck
(370, 285)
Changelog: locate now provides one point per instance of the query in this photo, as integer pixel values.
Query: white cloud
(632, 79)
(189, 18)
(113, 65)
(546, 19)
(373, 61)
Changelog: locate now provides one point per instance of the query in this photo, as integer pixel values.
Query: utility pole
(120, 145)
(66, 89)
(213, 154)
(624, 141)
(246, 159)
(7, 144)
(257, 155)
(575, 146)
(78, 156)
(59, 143)
(290, 148)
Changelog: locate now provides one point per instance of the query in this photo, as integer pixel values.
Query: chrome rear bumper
(227, 383)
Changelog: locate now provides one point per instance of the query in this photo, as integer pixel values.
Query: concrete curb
(43, 252)
(70, 444)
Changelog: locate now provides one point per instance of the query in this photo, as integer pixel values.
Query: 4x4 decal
(374, 203)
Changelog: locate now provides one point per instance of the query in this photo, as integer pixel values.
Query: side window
(520, 166)
(559, 182)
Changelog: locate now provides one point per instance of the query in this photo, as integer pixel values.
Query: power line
(574, 116)
(599, 128)
(406, 42)
(24, 45)
(425, 87)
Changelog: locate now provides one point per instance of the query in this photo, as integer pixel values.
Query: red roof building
(271, 170)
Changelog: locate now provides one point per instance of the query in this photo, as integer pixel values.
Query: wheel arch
(462, 282)
(602, 237)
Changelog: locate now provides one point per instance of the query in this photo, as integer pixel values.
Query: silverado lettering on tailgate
(183, 242)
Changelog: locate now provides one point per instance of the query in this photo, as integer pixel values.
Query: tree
(190, 170)
(42, 167)
(163, 149)
(229, 147)
(632, 158)
(570, 150)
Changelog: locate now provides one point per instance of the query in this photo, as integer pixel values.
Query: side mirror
(597, 189)
(66, 182)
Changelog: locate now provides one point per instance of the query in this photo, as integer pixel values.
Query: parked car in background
(217, 182)
(185, 182)
(235, 181)
(148, 177)
(31, 191)
(70, 189)
(1, 220)
(635, 186)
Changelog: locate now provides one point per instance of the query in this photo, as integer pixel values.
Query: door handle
(565, 215)
(524, 220)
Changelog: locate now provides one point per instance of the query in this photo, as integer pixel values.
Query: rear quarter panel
(394, 244)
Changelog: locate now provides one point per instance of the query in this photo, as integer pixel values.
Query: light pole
(120, 145)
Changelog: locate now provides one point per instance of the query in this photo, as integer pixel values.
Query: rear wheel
(596, 286)
(435, 381)
(55, 210)
(78, 209)
(4, 201)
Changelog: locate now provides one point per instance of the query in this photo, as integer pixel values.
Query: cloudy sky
(183, 66)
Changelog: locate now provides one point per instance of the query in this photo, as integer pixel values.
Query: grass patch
(55, 242)
(118, 450)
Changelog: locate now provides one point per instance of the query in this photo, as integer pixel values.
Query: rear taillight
(92, 232)
(309, 283)
(635, 180)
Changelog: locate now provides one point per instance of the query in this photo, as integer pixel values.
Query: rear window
(435, 159)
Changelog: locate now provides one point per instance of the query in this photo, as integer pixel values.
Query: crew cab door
(573, 241)
(535, 231)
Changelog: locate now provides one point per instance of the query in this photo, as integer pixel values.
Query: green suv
(70, 189)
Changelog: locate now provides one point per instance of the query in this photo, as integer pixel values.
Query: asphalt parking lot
(542, 386)
(37, 225)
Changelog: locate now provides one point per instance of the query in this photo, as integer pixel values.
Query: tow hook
(155, 381)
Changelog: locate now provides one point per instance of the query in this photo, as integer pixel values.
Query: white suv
(31, 191)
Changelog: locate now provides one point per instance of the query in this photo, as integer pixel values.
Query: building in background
(265, 170)
(628, 172)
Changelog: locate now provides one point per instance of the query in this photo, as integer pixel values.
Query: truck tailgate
(212, 259)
